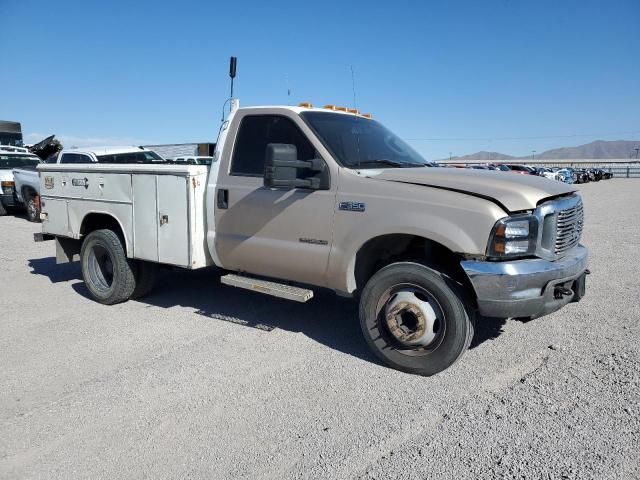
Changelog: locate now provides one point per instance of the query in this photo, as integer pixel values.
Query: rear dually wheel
(108, 274)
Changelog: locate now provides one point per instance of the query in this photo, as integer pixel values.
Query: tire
(108, 273)
(32, 206)
(3, 210)
(145, 274)
(413, 320)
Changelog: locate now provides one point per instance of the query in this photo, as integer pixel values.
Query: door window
(75, 158)
(70, 158)
(255, 133)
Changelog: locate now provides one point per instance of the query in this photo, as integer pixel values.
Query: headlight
(7, 187)
(513, 236)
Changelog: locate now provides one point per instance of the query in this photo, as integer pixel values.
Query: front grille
(568, 228)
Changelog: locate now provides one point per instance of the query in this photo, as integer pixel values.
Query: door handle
(223, 198)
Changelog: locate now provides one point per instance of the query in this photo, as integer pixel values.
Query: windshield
(8, 160)
(358, 142)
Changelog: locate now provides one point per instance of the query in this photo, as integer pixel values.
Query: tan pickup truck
(299, 198)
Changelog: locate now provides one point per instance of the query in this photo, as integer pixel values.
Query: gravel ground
(201, 380)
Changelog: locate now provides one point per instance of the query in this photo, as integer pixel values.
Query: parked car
(600, 174)
(546, 173)
(481, 167)
(522, 169)
(565, 175)
(308, 198)
(10, 158)
(607, 175)
(193, 160)
(27, 182)
(593, 175)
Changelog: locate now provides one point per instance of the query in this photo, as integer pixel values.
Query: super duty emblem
(352, 206)
(48, 182)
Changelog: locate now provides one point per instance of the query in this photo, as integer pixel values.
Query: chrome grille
(568, 228)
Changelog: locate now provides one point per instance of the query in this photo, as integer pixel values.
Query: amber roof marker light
(305, 105)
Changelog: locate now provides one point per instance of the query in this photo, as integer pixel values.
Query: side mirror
(282, 169)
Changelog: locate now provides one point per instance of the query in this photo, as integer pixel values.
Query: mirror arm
(316, 165)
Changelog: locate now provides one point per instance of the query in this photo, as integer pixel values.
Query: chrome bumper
(525, 288)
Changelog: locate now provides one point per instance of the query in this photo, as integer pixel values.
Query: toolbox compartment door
(56, 221)
(173, 220)
(145, 217)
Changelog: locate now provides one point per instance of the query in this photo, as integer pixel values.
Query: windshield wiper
(391, 163)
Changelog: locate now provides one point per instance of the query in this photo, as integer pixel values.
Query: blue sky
(459, 76)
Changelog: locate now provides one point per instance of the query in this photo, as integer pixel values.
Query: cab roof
(298, 109)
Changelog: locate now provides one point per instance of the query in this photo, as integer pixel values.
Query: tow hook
(561, 291)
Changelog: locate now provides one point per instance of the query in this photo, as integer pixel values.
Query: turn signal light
(305, 105)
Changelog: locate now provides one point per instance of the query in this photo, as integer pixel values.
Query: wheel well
(386, 249)
(97, 221)
(26, 189)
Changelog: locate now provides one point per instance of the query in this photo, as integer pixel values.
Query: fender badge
(48, 182)
(352, 206)
(313, 241)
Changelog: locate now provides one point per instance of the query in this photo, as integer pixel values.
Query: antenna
(353, 86)
(233, 61)
(286, 78)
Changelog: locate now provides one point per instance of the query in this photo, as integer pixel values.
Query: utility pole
(636, 149)
(450, 155)
(533, 155)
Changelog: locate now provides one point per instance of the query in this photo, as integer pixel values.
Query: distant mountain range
(600, 149)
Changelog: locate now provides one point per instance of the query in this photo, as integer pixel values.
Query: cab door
(280, 233)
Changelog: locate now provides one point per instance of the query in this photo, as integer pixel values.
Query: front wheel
(33, 207)
(413, 320)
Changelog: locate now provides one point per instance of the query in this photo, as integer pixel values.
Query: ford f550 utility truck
(299, 198)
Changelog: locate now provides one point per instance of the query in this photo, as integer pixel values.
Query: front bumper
(9, 200)
(526, 288)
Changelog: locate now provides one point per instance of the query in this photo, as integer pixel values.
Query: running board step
(280, 290)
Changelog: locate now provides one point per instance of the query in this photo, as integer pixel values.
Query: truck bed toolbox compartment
(160, 208)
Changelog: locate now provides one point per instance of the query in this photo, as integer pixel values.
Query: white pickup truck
(27, 180)
(10, 158)
(299, 198)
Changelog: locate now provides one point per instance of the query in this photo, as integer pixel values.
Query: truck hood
(513, 192)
